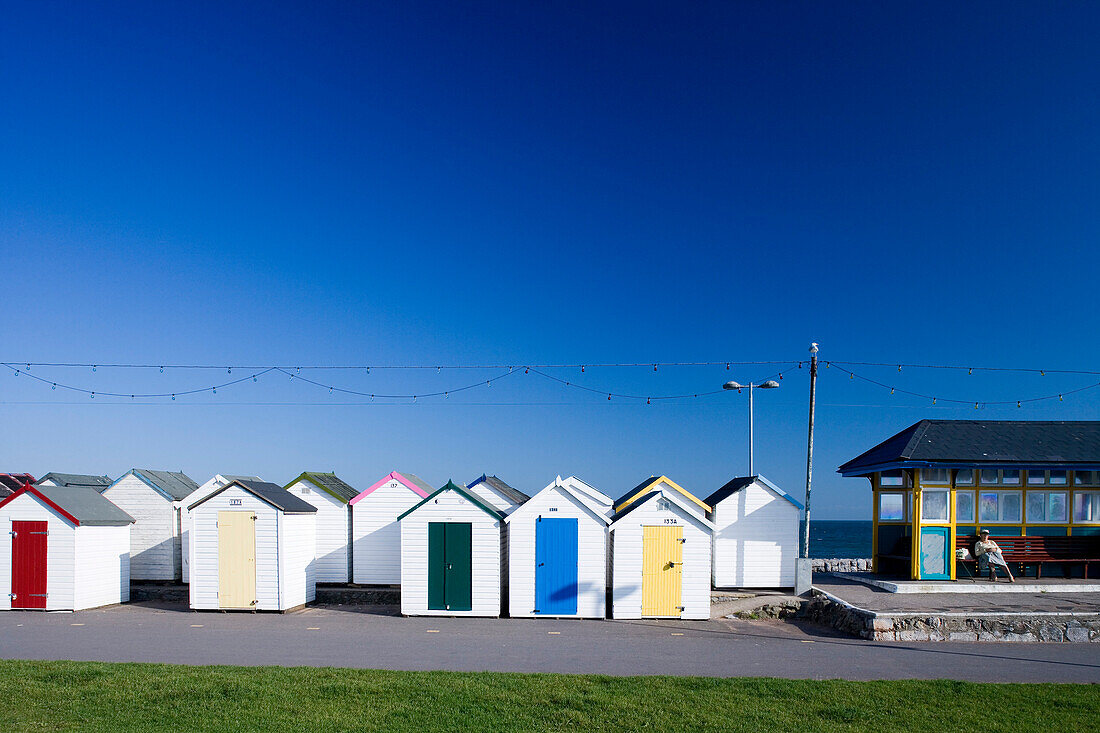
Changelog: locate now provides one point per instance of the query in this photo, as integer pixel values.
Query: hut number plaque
(234, 502)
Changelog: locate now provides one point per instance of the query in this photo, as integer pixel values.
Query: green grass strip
(96, 696)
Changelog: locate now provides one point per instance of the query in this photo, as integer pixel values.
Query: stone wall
(841, 565)
(1050, 627)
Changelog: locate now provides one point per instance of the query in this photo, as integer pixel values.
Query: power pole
(810, 450)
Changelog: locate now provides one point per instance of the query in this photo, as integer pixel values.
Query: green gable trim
(310, 477)
(461, 491)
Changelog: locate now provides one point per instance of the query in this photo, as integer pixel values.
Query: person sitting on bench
(990, 557)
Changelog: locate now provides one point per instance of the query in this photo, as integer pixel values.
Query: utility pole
(810, 450)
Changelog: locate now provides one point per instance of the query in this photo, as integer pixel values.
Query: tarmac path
(375, 638)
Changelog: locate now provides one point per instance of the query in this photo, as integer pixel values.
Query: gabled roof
(743, 482)
(650, 485)
(76, 479)
(81, 505)
(12, 482)
(410, 481)
(329, 483)
(984, 442)
(462, 491)
(671, 496)
(273, 494)
(577, 494)
(511, 494)
(173, 485)
(587, 488)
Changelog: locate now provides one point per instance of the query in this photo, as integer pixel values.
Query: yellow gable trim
(648, 489)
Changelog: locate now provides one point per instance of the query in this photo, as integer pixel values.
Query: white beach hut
(63, 548)
(152, 499)
(495, 492)
(209, 487)
(376, 533)
(451, 544)
(755, 534)
(253, 547)
(331, 496)
(660, 556)
(557, 554)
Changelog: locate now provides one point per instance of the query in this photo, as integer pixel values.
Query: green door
(450, 566)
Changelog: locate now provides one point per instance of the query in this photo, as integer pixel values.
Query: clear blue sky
(456, 183)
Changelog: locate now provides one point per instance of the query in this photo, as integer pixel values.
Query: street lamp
(770, 384)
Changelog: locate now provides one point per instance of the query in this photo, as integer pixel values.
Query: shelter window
(994, 476)
(964, 507)
(1046, 506)
(933, 506)
(892, 506)
(1056, 478)
(935, 476)
(1086, 478)
(1036, 478)
(1086, 506)
(999, 506)
(893, 478)
(964, 477)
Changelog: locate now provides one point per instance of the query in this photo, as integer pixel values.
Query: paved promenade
(372, 637)
(881, 601)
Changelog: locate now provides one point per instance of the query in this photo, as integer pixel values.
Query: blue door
(556, 567)
(935, 555)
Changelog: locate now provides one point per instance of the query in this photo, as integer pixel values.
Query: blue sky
(409, 183)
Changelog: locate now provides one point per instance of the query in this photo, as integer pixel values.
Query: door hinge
(46, 532)
(39, 595)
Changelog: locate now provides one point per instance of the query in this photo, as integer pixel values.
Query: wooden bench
(1034, 550)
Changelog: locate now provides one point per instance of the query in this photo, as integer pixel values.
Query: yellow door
(662, 570)
(236, 560)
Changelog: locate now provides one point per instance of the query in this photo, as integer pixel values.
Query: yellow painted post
(915, 559)
(951, 516)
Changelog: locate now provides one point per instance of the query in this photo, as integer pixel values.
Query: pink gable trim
(393, 476)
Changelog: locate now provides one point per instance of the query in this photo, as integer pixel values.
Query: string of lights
(647, 398)
(969, 369)
(1060, 396)
(295, 373)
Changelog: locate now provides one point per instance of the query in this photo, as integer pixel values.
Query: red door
(28, 564)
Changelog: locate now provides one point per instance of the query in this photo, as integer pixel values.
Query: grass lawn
(91, 696)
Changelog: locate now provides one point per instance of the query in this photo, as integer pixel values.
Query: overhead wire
(936, 399)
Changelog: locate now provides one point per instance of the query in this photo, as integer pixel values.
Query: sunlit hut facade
(942, 479)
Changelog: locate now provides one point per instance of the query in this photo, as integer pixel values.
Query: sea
(839, 538)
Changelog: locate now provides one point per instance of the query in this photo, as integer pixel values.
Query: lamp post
(770, 384)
